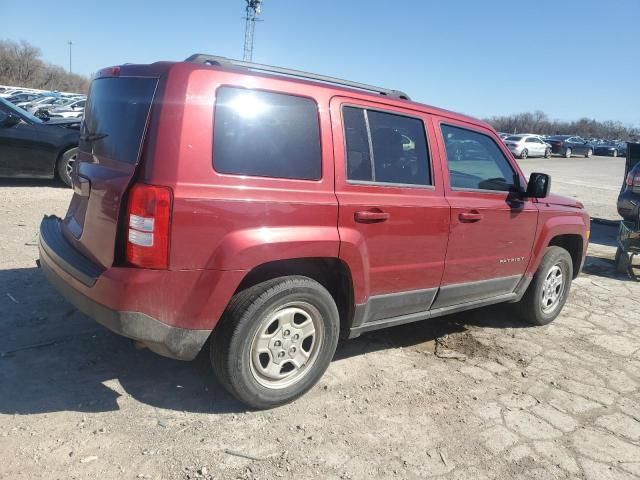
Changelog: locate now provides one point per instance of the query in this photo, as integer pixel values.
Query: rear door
(393, 217)
(491, 230)
(112, 133)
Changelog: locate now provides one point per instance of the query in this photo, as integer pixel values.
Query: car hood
(64, 122)
(555, 199)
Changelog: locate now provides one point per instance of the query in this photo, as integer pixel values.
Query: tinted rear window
(514, 139)
(117, 111)
(266, 134)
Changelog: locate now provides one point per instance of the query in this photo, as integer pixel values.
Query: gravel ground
(595, 181)
(476, 395)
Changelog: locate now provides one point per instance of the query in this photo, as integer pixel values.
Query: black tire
(233, 339)
(589, 153)
(524, 154)
(622, 261)
(547, 153)
(567, 153)
(65, 165)
(531, 307)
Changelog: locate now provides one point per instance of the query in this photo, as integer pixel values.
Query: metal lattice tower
(253, 11)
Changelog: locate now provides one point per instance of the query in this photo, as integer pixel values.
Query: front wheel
(549, 289)
(547, 153)
(275, 340)
(64, 166)
(589, 153)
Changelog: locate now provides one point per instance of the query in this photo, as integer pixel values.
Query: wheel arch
(330, 272)
(572, 243)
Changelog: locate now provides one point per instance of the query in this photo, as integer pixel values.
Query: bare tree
(538, 122)
(21, 66)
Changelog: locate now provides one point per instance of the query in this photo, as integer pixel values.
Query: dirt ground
(471, 396)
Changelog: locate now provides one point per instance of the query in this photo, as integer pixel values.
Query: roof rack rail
(228, 62)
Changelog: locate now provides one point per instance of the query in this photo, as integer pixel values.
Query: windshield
(18, 111)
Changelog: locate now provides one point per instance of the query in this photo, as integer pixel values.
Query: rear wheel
(547, 153)
(589, 153)
(548, 291)
(524, 154)
(567, 153)
(615, 153)
(275, 340)
(65, 163)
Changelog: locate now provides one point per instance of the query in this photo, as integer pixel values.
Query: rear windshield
(266, 134)
(115, 117)
(514, 139)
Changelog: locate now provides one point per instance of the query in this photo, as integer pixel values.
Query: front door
(491, 229)
(393, 218)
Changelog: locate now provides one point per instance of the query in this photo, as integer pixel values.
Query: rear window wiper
(92, 137)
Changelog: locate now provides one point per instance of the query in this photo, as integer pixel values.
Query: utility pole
(252, 13)
(70, 43)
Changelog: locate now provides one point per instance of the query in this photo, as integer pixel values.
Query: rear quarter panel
(232, 222)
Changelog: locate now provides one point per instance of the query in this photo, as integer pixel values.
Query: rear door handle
(371, 216)
(470, 217)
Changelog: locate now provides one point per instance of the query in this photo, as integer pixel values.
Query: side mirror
(8, 120)
(538, 186)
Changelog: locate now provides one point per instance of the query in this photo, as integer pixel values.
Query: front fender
(553, 226)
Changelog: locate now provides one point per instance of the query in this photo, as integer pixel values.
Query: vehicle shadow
(31, 182)
(53, 358)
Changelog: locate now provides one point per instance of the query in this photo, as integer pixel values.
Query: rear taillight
(561, 144)
(633, 179)
(148, 222)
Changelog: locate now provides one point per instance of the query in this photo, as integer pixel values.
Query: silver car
(526, 145)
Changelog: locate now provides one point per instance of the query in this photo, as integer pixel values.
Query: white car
(71, 110)
(526, 145)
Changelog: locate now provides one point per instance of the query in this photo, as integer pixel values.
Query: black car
(629, 198)
(30, 147)
(568, 145)
(611, 149)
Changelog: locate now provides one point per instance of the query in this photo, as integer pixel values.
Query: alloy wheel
(286, 345)
(552, 289)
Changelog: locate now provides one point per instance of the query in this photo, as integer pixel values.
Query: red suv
(267, 211)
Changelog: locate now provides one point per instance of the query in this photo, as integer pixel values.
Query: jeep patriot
(262, 212)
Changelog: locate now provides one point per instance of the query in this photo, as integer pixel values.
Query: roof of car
(162, 67)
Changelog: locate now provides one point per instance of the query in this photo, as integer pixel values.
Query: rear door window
(385, 147)
(266, 134)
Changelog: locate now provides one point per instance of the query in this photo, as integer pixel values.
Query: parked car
(568, 145)
(265, 221)
(23, 97)
(629, 197)
(46, 102)
(618, 149)
(524, 146)
(32, 148)
(74, 109)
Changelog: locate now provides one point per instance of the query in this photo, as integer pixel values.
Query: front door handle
(470, 217)
(371, 216)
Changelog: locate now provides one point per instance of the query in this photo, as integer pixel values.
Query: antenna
(253, 12)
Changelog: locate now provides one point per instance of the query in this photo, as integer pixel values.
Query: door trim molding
(381, 311)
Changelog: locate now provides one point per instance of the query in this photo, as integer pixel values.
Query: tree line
(538, 122)
(21, 66)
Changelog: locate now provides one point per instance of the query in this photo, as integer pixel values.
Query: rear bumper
(171, 312)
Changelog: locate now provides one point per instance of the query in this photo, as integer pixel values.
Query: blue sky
(569, 58)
